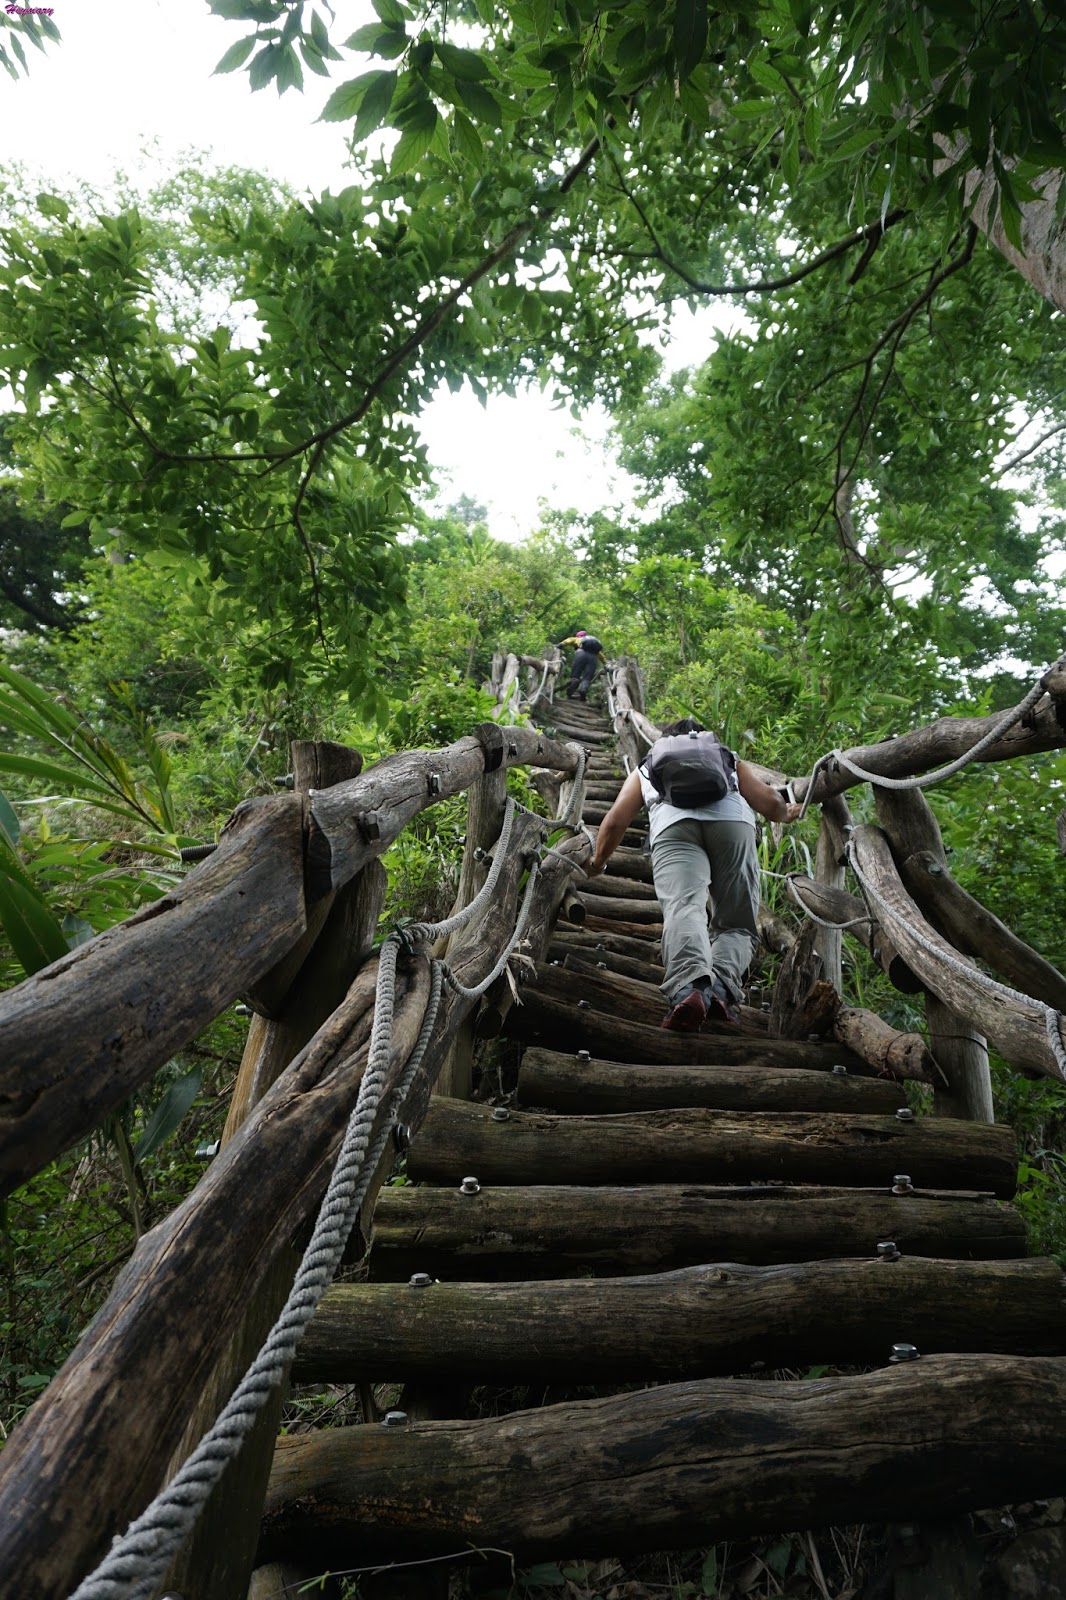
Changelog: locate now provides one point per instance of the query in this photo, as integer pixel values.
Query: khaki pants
(688, 858)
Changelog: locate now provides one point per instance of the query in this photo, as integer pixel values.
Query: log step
(523, 1233)
(565, 1025)
(678, 1466)
(562, 1083)
(698, 1322)
(697, 1145)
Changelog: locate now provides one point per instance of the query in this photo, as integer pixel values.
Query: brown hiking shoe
(687, 1016)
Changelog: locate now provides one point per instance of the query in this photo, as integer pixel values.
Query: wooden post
(959, 1047)
(217, 1560)
(829, 869)
(486, 801)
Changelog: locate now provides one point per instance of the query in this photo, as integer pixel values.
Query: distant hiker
(583, 667)
(700, 802)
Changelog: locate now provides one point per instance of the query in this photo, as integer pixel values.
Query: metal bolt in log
(401, 1137)
(888, 1250)
(470, 1186)
(840, 1071)
(584, 1055)
(903, 1352)
(904, 1114)
(500, 1114)
(420, 1280)
(901, 1184)
(398, 1419)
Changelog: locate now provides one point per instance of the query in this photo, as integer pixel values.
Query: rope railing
(139, 1559)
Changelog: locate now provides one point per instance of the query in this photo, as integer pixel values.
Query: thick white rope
(789, 879)
(1052, 1019)
(138, 1560)
(925, 780)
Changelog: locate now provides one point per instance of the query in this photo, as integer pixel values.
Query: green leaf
(168, 1114)
(72, 779)
(347, 98)
(690, 35)
(236, 55)
(74, 519)
(543, 18)
(391, 11)
(376, 105)
(466, 140)
(32, 932)
(464, 64)
(265, 66)
(52, 205)
(415, 139)
(480, 103)
(9, 822)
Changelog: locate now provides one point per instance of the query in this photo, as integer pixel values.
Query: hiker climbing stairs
(700, 1213)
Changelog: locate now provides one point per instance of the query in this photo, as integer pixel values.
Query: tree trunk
(829, 869)
(564, 1024)
(697, 1322)
(79, 1036)
(137, 1371)
(1017, 1027)
(216, 1561)
(695, 1145)
(563, 1083)
(681, 1465)
(899, 1055)
(569, 1232)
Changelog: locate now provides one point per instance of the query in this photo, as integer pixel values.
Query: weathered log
(1017, 1027)
(565, 1025)
(941, 742)
(567, 1232)
(563, 1083)
(964, 1083)
(79, 1036)
(485, 810)
(314, 766)
(591, 959)
(219, 1553)
(173, 1310)
(800, 971)
(359, 820)
(603, 791)
(628, 999)
(697, 1145)
(621, 909)
(976, 931)
(901, 1055)
(829, 867)
(687, 1324)
(682, 1465)
(836, 905)
(552, 887)
(632, 928)
(918, 849)
(616, 888)
(966, 1087)
(572, 907)
(776, 934)
(608, 939)
(631, 864)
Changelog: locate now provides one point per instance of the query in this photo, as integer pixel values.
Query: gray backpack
(690, 770)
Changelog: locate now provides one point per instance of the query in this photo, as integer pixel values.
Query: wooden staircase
(687, 1224)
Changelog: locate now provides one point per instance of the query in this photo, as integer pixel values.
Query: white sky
(129, 77)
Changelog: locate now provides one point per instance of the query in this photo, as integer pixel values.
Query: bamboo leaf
(33, 933)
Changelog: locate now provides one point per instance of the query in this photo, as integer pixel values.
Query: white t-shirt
(661, 814)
